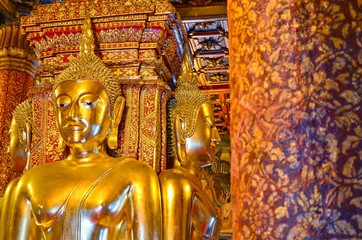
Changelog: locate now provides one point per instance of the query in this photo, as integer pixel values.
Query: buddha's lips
(74, 127)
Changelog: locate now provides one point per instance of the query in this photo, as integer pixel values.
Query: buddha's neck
(93, 155)
(191, 173)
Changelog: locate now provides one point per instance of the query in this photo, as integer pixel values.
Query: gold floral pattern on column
(295, 72)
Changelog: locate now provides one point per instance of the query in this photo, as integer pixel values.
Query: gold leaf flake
(281, 212)
(357, 202)
(338, 43)
(345, 30)
(351, 96)
(348, 142)
(348, 168)
(352, 11)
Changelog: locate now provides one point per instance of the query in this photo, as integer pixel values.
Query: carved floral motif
(296, 126)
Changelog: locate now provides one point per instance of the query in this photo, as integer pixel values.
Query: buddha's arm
(145, 201)
(18, 220)
(204, 218)
(176, 203)
(5, 208)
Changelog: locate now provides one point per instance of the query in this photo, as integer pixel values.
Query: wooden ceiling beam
(9, 10)
(202, 12)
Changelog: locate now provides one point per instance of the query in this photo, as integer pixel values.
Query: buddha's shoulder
(43, 167)
(128, 160)
(133, 165)
(171, 172)
(176, 176)
(180, 172)
(11, 187)
(14, 182)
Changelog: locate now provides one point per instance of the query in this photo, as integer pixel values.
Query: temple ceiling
(206, 26)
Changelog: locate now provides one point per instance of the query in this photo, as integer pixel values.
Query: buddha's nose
(74, 112)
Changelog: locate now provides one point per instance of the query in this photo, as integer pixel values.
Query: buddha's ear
(118, 110)
(112, 138)
(180, 129)
(180, 139)
(28, 135)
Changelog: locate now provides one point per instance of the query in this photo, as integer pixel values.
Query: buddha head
(193, 134)
(20, 137)
(86, 100)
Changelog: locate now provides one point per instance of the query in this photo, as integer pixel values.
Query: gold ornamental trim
(64, 11)
(15, 52)
(17, 64)
(202, 12)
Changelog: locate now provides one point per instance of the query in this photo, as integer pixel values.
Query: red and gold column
(17, 70)
(295, 72)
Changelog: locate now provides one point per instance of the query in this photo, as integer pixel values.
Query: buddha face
(201, 146)
(83, 113)
(17, 150)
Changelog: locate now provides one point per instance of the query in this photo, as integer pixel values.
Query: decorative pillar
(17, 70)
(44, 144)
(153, 124)
(296, 134)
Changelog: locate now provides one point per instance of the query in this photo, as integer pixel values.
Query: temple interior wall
(294, 69)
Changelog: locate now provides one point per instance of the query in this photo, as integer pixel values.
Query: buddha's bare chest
(81, 197)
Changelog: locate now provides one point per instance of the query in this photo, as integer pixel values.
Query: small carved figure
(214, 62)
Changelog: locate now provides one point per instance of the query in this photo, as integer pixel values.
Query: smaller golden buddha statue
(88, 195)
(187, 211)
(20, 137)
(20, 155)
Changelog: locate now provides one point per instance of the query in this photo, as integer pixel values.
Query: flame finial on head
(87, 40)
(88, 65)
(186, 66)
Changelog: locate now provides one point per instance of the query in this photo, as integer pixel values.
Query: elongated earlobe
(112, 138)
(61, 144)
(28, 146)
(180, 139)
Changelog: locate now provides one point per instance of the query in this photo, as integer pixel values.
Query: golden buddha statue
(20, 155)
(20, 137)
(187, 211)
(88, 195)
